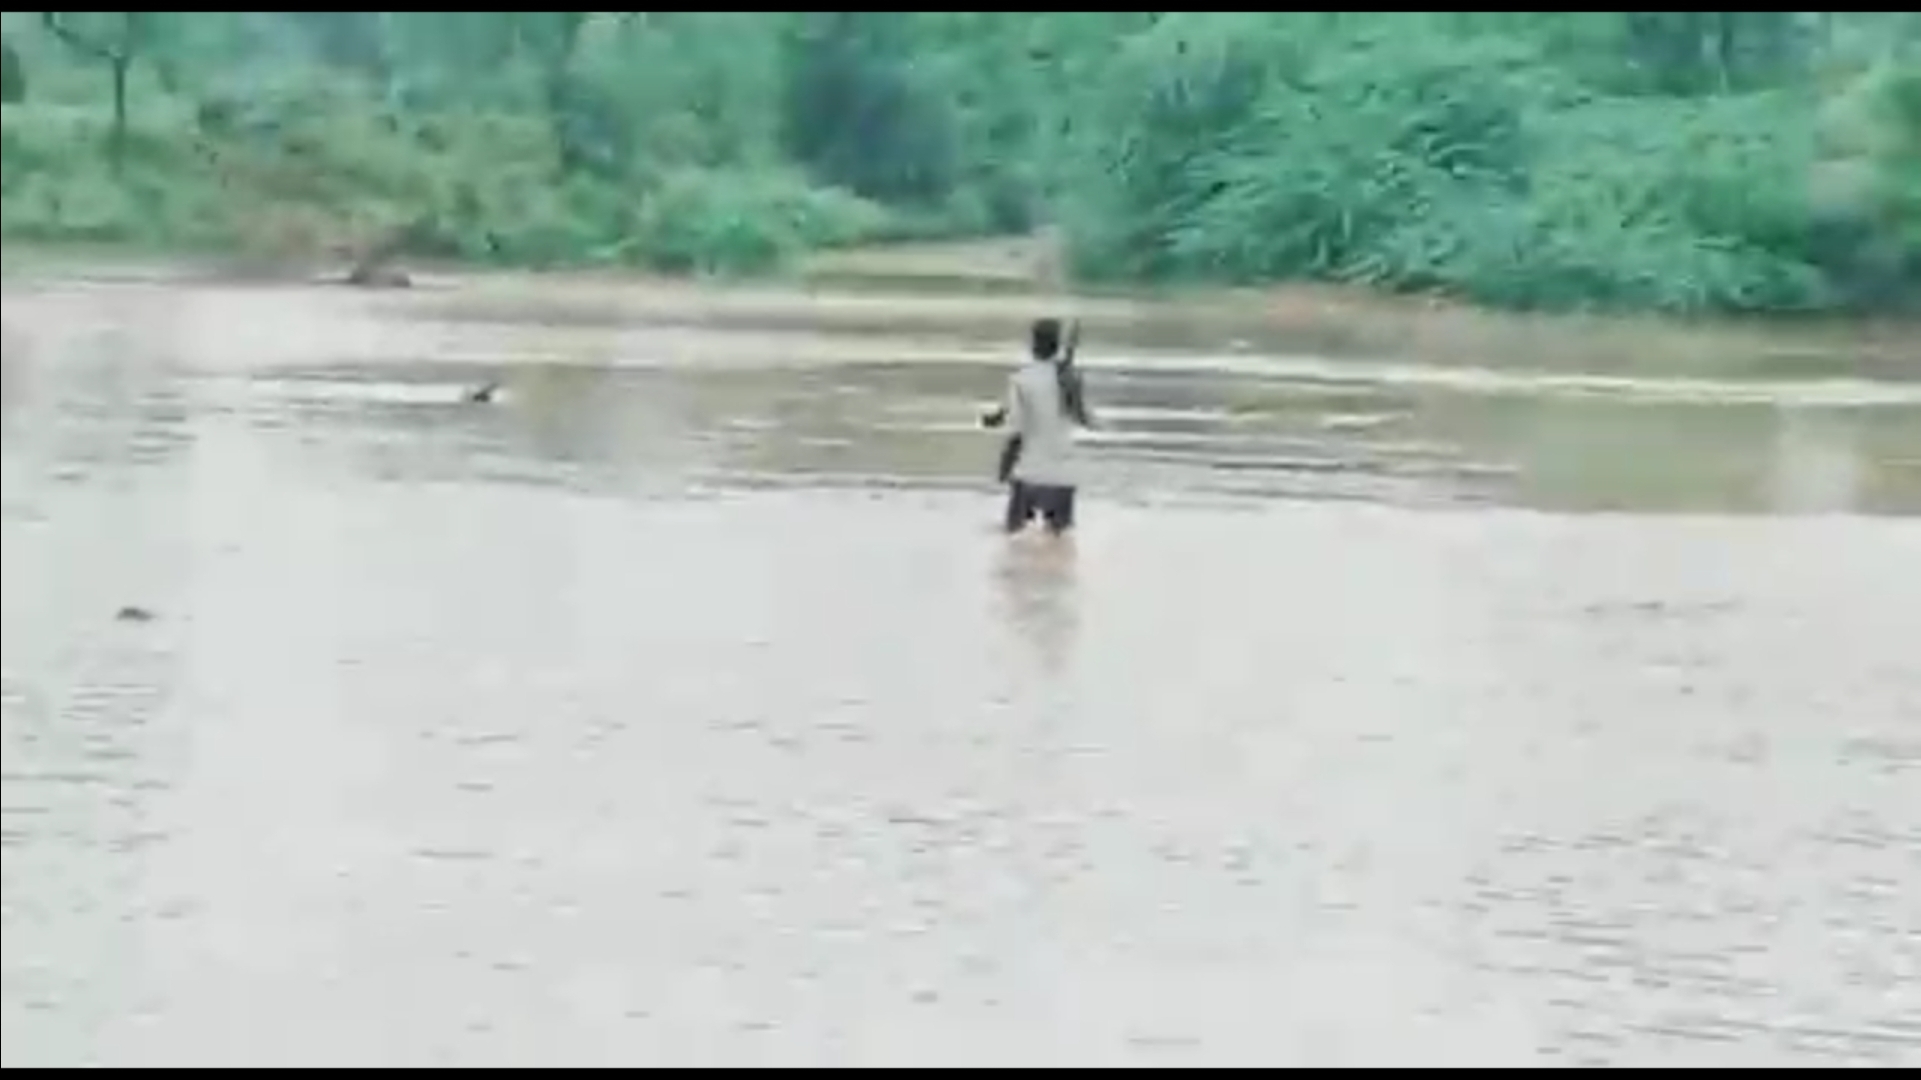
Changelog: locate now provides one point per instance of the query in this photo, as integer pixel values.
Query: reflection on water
(671, 713)
(1817, 462)
(1038, 579)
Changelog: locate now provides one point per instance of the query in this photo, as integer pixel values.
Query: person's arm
(1073, 384)
(1012, 414)
(1074, 393)
(1005, 412)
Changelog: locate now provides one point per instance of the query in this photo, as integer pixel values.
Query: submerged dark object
(130, 613)
(484, 394)
(379, 277)
(375, 268)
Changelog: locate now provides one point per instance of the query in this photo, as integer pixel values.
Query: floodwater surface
(682, 706)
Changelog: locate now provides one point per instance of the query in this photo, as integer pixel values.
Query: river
(683, 706)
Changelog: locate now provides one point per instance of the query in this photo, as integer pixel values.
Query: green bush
(1682, 161)
(13, 74)
(1464, 165)
(478, 186)
(1897, 189)
(725, 221)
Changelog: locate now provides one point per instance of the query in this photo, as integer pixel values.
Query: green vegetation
(1671, 161)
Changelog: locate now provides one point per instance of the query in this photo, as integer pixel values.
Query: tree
(861, 113)
(551, 39)
(13, 74)
(113, 38)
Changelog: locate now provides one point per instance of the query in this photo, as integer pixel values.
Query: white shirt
(1035, 413)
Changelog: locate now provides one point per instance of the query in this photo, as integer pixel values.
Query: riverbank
(982, 291)
(1346, 321)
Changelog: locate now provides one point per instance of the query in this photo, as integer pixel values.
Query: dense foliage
(1681, 161)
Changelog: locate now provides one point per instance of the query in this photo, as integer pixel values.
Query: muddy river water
(683, 706)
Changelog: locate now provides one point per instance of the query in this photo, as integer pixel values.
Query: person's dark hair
(1044, 338)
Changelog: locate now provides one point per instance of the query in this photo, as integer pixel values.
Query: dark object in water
(485, 394)
(374, 269)
(133, 614)
(379, 277)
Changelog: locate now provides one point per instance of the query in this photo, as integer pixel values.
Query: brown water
(684, 707)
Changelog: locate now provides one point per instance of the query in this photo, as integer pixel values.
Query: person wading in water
(1046, 400)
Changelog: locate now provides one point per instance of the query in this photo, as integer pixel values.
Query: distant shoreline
(985, 287)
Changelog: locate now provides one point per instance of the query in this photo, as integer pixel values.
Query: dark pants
(1055, 505)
